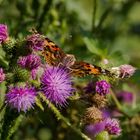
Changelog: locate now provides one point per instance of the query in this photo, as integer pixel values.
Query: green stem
(3, 62)
(119, 106)
(2, 107)
(46, 9)
(103, 17)
(61, 117)
(15, 126)
(94, 14)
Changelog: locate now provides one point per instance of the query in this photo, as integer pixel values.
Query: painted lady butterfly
(55, 56)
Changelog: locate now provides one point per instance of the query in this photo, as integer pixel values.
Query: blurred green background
(93, 30)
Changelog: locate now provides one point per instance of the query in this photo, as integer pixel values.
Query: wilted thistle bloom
(102, 87)
(30, 62)
(56, 85)
(92, 115)
(124, 71)
(127, 70)
(35, 42)
(2, 75)
(99, 100)
(93, 129)
(126, 97)
(21, 98)
(112, 126)
(3, 32)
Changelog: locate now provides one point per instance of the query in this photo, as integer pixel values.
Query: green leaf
(92, 46)
(102, 136)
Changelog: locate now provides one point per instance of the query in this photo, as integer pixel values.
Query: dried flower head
(2, 75)
(112, 126)
(127, 70)
(35, 42)
(21, 98)
(124, 71)
(102, 87)
(99, 100)
(56, 84)
(92, 115)
(3, 33)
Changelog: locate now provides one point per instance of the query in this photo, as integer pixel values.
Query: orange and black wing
(52, 53)
(83, 68)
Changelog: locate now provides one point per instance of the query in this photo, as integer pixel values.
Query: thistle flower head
(102, 87)
(126, 97)
(30, 62)
(124, 71)
(35, 42)
(112, 126)
(2, 75)
(21, 98)
(92, 115)
(3, 32)
(93, 129)
(56, 85)
(99, 100)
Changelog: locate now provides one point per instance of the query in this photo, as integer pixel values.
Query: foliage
(94, 31)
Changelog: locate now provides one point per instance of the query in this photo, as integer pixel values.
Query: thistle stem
(15, 126)
(61, 117)
(119, 106)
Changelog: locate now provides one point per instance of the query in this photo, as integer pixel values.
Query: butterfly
(55, 56)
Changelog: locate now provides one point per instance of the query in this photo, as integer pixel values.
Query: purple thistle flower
(126, 97)
(2, 75)
(56, 85)
(112, 126)
(35, 42)
(30, 62)
(102, 87)
(93, 129)
(21, 98)
(3, 32)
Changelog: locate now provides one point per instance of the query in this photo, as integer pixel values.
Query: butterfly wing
(83, 68)
(52, 53)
